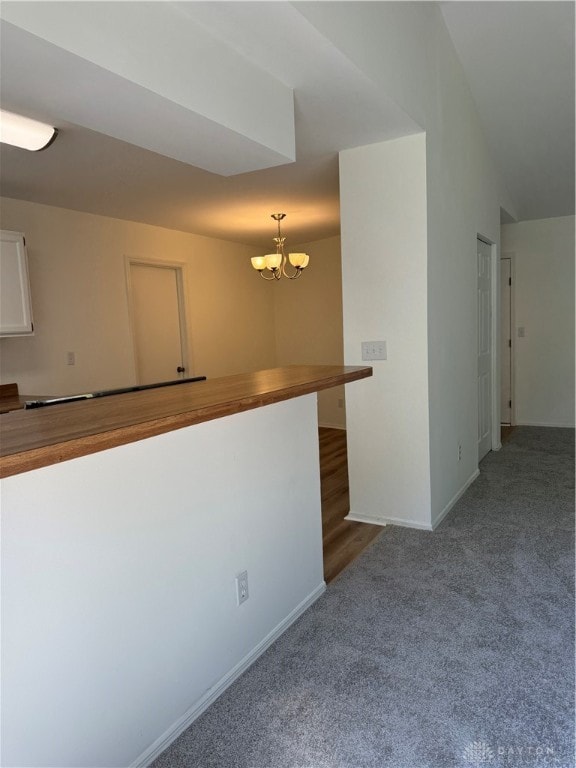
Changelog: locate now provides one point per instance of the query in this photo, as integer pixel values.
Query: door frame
(512, 257)
(495, 331)
(180, 268)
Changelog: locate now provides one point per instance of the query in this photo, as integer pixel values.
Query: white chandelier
(275, 263)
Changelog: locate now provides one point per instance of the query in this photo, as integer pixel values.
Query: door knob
(180, 369)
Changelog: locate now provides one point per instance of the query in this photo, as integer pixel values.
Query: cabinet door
(15, 307)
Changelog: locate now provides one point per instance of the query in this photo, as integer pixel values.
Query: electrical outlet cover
(242, 587)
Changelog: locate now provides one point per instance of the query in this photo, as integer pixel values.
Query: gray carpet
(432, 650)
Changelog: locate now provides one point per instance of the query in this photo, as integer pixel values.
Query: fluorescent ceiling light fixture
(25, 133)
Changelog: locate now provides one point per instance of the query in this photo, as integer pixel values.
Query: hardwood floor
(343, 540)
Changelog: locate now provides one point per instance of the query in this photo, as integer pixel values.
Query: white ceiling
(60, 63)
(519, 62)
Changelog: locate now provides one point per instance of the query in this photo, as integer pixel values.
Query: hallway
(432, 650)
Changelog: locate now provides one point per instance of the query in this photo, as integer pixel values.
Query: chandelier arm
(296, 274)
(263, 276)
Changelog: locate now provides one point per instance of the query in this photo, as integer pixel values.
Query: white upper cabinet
(15, 306)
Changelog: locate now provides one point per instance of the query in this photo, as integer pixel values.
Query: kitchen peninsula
(37, 439)
(125, 523)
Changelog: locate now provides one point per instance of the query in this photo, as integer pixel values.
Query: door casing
(496, 443)
(511, 258)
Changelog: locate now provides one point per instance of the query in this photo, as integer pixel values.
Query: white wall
(544, 306)
(79, 299)
(464, 198)
(383, 224)
(308, 320)
(406, 50)
(118, 581)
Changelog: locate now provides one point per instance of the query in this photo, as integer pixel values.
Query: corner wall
(406, 50)
(544, 306)
(383, 223)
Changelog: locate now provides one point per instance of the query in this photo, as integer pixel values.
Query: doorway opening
(342, 540)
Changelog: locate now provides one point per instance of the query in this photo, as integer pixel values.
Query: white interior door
(506, 341)
(157, 322)
(484, 348)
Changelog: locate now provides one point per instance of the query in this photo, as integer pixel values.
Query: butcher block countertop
(30, 439)
(10, 399)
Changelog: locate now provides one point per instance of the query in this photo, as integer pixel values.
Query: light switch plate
(374, 350)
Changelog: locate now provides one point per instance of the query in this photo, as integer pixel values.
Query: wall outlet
(374, 350)
(459, 452)
(70, 358)
(242, 587)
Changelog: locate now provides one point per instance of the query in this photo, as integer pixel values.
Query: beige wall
(237, 322)
(543, 253)
(309, 320)
(79, 299)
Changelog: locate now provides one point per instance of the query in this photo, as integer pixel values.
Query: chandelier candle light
(275, 263)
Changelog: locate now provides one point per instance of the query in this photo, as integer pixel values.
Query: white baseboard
(543, 424)
(409, 524)
(455, 498)
(413, 523)
(331, 426)
(356, 518)
(364, 519)
(172, 733)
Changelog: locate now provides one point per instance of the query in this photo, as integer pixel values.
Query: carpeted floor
(432, 650)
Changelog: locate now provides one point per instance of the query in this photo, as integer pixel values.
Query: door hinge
(509, 403)
(509, 281)
(510, 342)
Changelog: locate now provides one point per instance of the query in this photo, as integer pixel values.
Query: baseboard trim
(543, 424)
(409, 524)
(356, 518)
(172, 733)
(455, 498)
(331, 426)
(353, 517)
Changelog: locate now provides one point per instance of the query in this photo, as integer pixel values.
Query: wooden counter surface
(40, 437)
(10, 400)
